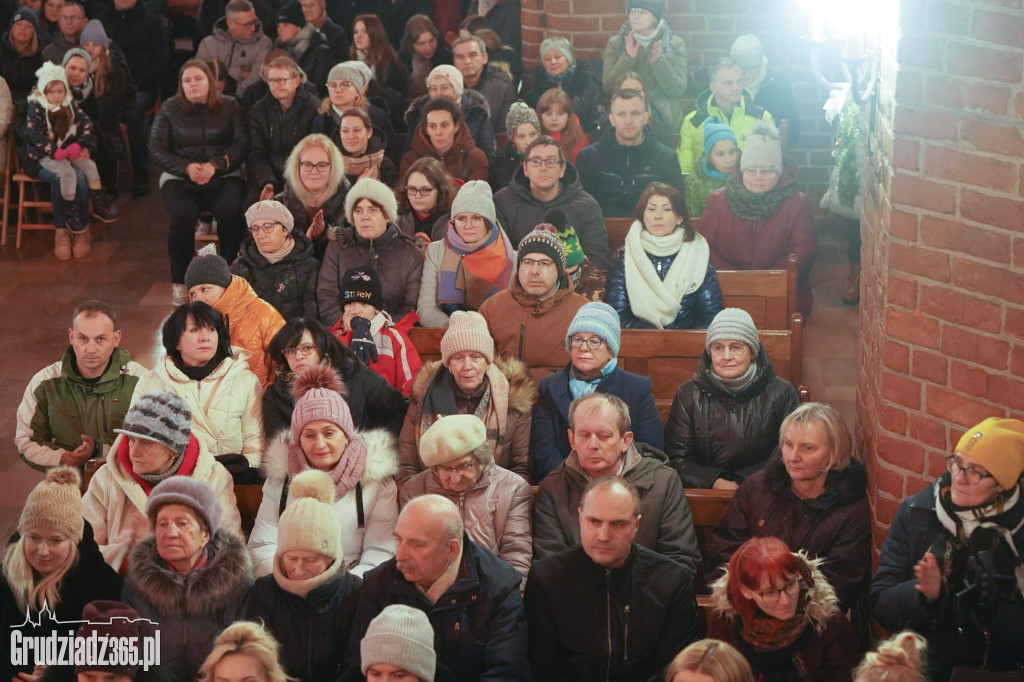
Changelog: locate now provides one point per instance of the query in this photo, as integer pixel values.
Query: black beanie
(291, 13)
(208, 269)
(362, 285)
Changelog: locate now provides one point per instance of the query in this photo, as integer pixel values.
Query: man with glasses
(238, 42)
(608, 608)
(545, 181)
(70, 23)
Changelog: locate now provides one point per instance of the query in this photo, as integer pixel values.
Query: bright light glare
(842, 18)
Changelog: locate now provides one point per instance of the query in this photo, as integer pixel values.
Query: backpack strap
(360, 512)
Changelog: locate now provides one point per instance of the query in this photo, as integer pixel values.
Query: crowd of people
(357, 191)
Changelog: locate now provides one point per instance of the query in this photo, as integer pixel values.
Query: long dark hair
(212, 98)
(675, 197)
(381, 56)
(329, 347)
(433, 170)
(204, 315)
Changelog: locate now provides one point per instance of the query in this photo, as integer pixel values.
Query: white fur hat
(377, 192)
(452, 437)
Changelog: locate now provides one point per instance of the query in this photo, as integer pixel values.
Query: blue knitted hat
(599, 319)
(716, 131)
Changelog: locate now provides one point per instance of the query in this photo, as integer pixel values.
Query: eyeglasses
(592, 342)
(308, 166)
(267, 228)
(463, 468)
(305, 349)
(547, 163)
(278, 81)
(955, 465)
(532, 263)
(469, 218)
(244, 24)
(771, 597)
(734, 348)
(335, 86)
(419, 191)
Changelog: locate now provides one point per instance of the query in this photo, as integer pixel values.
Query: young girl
(715, 166)
(558, 120)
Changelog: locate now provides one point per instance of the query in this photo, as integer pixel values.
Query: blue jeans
(60, 219)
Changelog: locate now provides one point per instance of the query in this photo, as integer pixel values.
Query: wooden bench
(6, 198)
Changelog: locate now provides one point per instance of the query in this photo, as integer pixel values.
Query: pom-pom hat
(55, 503)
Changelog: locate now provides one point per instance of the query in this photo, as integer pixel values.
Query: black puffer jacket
(180, 137)
(18, 71)
(712, 433)
(289, 284)
(273, 133)
(504, 165)
(328, 122)
(583, 87)
(334, 215)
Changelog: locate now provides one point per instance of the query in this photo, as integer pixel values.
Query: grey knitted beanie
(520, 113)
(190, 492)
(475, 197)
(208, 269)
(161, 417)
(400, 635)
(733, 324)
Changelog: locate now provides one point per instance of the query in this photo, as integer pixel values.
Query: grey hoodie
(244, 58)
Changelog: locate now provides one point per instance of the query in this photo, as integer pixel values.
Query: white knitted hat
(377, 192)
(400, 635)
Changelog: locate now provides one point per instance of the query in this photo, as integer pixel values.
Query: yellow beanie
(55, 503)
(998, 445)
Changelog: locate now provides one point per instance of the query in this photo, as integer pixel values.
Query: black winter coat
(289, 284)
(712, 433)
(142, 37)
(179, 138)
(589, 623)
(479, 622)
(273, 132)
(334, 216)
(313, 631)
(328, 123)
(316, 61)
(337, 38)
(776, 95)
(836, 526)
(504, 165)
(18, 71)
(583, 87)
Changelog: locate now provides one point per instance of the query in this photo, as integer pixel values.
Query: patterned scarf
(472, 273)
(345, 473)
(754, 207)
(580, 385)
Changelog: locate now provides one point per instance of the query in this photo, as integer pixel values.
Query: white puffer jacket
(227, 406)
(365, 546)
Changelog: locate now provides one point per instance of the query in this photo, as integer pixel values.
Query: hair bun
(314, 484)
(317, 376)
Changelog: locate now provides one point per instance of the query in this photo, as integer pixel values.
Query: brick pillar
(942, 315)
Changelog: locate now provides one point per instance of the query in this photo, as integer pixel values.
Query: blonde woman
(901, 658)
(709, 659)
(243, 651)
(314, 189)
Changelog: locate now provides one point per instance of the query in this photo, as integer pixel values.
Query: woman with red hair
(778, 609)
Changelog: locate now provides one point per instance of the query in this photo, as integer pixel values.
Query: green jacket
(698, 187)
(691, 136)
(59, 406)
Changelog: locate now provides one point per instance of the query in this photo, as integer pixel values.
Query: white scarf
(651, 298)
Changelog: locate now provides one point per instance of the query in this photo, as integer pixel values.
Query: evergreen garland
(847, 137)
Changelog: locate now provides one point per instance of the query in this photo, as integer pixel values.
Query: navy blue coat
(549, 437)
(697, 311)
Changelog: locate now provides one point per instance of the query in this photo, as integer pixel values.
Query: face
(554, 119)
(421, 552)
(750, 75)
(76, 70)
(524, 135)
(691, 676)
(360, 309)
(196, 85)
(471, 227)
(46, 549)
(730, 358)
(469, 59)
(968, 494)
(370, 221)
(723, 156)
(442, 87)
(385, 672)
(324, 443)
(597, 440)
(51, 10)
(585, 359)
(441, 130)
(149, 457)
(343, 94)
(56, 93)
(22, 32)
(282, 83)
(760, 180)
(727, 85)
(180, 536)
(659, 217)
(538, 274)
(425, 46)
(312, 10)
(421, 200)
(806, 453)
(305, 354)
(555, 63)
(198, 344)
(207, 293)
(272, 241)
(537, 170)
(628, 118)
(72, 20)
(286, 32)
(239, 668)
(93, 339)
(122, 5)
(94, 49)
(355, 136)
(360, 38)
(468, 368)
(785, 607)
(608, 524)
(241, 25)
(459, 475)
(302, 565)
(642, 21)
(314, 180)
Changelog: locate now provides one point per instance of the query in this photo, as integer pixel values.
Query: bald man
(470, 596)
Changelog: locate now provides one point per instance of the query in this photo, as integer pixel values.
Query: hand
(194, 172)
(632, 47)
(655, 51)
(722, 484)
(34, 676)
(929, 578)
(371, 172)
(316, 226)
(81, 454)
(74, 150)
(210, 171)
(268, 192)
(362, 342)
(425, 238)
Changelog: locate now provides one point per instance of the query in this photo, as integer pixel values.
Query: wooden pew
(706, 507)
(768, 295)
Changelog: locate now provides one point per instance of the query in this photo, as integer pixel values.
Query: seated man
(470, 596)
(237, 41)
(70, 24)
(616, 169)
(529, 320)
(602, 584)
(602, 445)
(726, 100)
(469, 54)
(71, 408)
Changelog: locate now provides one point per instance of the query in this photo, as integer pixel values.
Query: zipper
(625, 635)
(608, 625)
(522, 339)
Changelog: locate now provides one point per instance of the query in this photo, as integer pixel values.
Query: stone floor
(129, 269)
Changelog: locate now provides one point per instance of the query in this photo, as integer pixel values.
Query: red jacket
(397, 358)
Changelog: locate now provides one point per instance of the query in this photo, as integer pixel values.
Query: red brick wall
(942, 315)
(708, 27)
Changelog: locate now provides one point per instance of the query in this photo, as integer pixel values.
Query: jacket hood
(842, 487)
(822, 603)
(463, 142)
(252, 257)
(473, 106)
(170, 373)
(118, 365)
(522, 389)
(704, 108)
(705, 380)
(381, 456)
(570, 183)
(220, 32)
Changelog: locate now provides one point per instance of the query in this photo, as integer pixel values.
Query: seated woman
(304, 342)
(190, 575)
(307, 46)
(725, 421)
(425, 194)
(468, 380)
(347, 84)
(558, 69)
(314, 189)
(214, 380)
(948, 563)
(523, 127)
(278, 261)
(199, 141)
(663, 277)
(714, 167)
(244, 651)
(156, 443)
(443, 135)
(813, 496)
(473, 261)
(362, 150)
(372, 240)
(21, 55)
(309, 601)
(901, 658)
(420, 52)
(445, 81)
(777, 607)
(709, 659)
(53, 562)
(756, 222)
(592, 341)
(370, 44)
(361, 466)
(558, 120)
(495, 503)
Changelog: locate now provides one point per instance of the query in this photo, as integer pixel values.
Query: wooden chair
(35, 211)
(5, 190)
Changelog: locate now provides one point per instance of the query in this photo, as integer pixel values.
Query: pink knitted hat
(317, 392)
(467, 331)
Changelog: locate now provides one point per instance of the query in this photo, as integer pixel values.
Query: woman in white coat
(362, 466)
(214, 380)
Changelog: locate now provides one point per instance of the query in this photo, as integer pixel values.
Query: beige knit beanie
(309, 523)
(55, 503)
(452, 437)
(467, 331)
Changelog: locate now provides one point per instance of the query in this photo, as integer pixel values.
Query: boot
(852, 293)
(83, 244)
(74, 221)
(62, 245)
(179, 295)
(140, 186)
(103, 208)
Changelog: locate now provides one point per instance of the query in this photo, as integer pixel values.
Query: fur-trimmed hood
(821, 601)
(522, 389)
(381, 456)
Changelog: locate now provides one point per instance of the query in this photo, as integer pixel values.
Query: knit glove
(60, 154)
(74, 149)
(362, 342)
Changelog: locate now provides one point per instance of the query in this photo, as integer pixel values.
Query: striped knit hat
(599, 319)
(543, 239)
(162, 418)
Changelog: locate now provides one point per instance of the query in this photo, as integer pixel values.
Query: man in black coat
(608, 609)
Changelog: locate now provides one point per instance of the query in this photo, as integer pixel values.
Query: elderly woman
(709, 659)
(244, 651)
(372, 240)
(468, 380)
(314, 189)
(425, 194)
(53, 562)
(495, 503)
(190, 575)
(421, 50)
(756, 222)
(309, 600)
(558, 69)
(592, 341)
(777, 607)
(725, 421)
(523, 127)
(361, 467)
(473, 261)
(278, 261)
(950, 567)
(813, 496)
(156, 443)
(663, 277)
(715, 166)
(199, 140)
